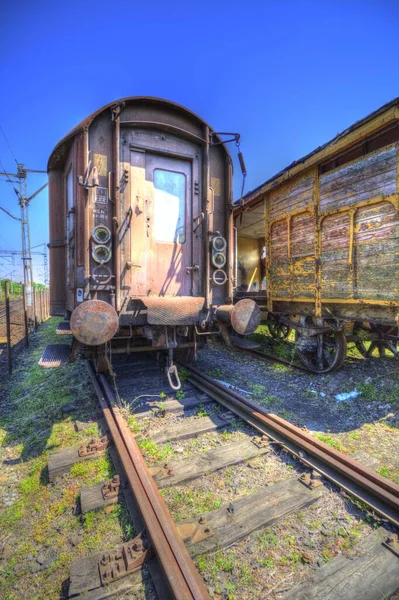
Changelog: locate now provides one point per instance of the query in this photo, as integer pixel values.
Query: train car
(141, 237)
(318, 245)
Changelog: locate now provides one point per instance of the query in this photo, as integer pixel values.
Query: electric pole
(23, 201)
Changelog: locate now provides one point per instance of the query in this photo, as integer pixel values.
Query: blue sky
(287, 75)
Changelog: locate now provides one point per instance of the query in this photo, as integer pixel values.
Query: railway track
(238, 433)
(243, 345)
(16, 308)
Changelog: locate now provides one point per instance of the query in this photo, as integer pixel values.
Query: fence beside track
(18, 320)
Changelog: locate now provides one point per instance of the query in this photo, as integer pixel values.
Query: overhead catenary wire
(9, 214)
(8, 144)
(9, 180)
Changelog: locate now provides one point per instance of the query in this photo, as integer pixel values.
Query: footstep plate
(63, 328)
(55, 355)
(243, 343)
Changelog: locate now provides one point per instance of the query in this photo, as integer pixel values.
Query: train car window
(169, 206)
(382, 139)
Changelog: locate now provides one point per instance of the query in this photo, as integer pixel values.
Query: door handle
(192, 268)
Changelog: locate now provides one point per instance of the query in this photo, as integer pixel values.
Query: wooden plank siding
(360, 265)
(303, 261)
(377, 252)
(363, 179)
(292, 197)
(333, 237)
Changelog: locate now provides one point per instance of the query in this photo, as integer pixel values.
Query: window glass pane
(169, 206)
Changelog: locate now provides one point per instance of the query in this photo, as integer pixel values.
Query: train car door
(162, 226)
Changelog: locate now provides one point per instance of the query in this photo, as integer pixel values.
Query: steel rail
(380, 493)
(181, 574)
(271, 357)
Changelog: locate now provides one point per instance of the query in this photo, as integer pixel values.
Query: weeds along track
(229, 502)
(240, 343)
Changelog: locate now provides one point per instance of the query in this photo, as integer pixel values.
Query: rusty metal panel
(57, 243)
(159, 266)
(218, 208)
(80, 200)
(69, 202)
(175, 310)
(99, 206)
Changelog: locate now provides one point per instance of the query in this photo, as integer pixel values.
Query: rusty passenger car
(141, 252)
(318, 244)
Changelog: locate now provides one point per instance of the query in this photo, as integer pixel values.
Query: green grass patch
(33, 424)
(279, 367)
(185, 503)
(133, 424)
(267, 538)
(257, 389)
(389, 472)
(93, 471)
(215, 373)
(12, 515)
(154, 451)
(368, 391)
(202, 412)
(269, 401)
(331, 441)
(30, 485)
(183, 374)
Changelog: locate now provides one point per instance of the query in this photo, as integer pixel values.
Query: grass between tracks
(378, 403)
(41, 530)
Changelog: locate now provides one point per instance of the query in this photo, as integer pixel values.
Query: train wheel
(278, 330)
(101, 361)
(377, 347)
(187, 354)
(321, 353)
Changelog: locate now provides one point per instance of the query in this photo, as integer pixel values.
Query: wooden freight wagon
(318, 244)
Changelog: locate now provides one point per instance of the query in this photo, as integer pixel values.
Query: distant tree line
(16, 289)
